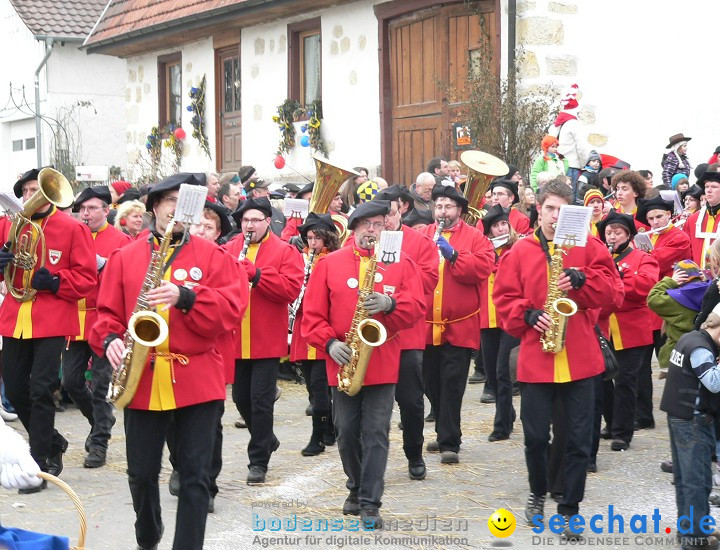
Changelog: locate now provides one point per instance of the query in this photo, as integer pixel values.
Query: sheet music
(390, 245)
(573, 225)
(190, 203)
(673, 197)
(642, 241)
(296, 208)
(10, 203)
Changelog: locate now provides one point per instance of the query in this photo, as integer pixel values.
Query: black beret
(222, 212)
(132, 194)
(99, 192)
(27, 176)
(708, 175)
(694, 191)
(615, 217)
(510, 185)
(307, 189)
(512, 170)
(172, 183)
(416, 217)
(317, 221)
(700, 169)
(656, 203)
(368, 210)
(451, 193)
(392, 193)
(262, 204)
(496, 214)
(290, 188)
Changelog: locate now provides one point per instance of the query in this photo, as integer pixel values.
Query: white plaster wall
(141, 104)
(647, 69)
(19, 161)
(350, 81)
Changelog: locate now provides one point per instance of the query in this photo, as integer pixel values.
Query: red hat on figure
(570, 99)
(121, 186)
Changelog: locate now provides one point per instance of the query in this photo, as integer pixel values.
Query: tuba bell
(54, 189)
(328, 180)
(482, 169)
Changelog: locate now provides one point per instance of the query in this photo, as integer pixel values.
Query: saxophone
(146, 329)
(557, 305)
(365, 334)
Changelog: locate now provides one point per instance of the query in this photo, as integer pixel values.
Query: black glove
(532, 316)
(577, 277)
(622, 273)
(44, 280)
(297, 242)
(6, 256)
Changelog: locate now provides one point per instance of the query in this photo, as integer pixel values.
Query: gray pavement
(449, 509)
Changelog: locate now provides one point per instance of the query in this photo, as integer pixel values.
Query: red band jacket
(331, 299)
(488, 313)
(519, 222)
(701, 233)
(453, 313)
(300, 348)
(521, 283)
(188, 367)
(276, 273)
(69, 254)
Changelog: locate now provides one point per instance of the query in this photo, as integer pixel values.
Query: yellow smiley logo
(501, 523)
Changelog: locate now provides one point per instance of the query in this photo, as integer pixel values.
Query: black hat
(245, 173)
(496, 214)
(221, 211)
(317, 221)
(368, 210)
(290, 188)
(646, 205)
(694, 191)
(415, 217)
(607, 173)
(132, 194)
(512, 170)
(700, 169)
(100, 192)
(676, 138)
(256, 184)
(172, 183)
(450, 193)
(392, 193)
(27, 176)
(708, 175)
(615, 217)
(307, 189)
(262, 204)
(509, 185)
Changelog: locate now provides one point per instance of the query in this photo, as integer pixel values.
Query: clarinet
(438, 231)
(295, 307)
(246, 245)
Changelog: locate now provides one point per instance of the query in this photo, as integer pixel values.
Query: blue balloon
(305, 141)
(303, 128)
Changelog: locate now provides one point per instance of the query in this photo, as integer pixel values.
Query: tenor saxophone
(364, 335)
(557, 305)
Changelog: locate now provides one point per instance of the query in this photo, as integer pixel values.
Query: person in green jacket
(550, 161)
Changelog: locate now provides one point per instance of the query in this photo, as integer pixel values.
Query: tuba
(54, 189)
(364, 335)
(482, 169)
(328, 180)
(557, 305)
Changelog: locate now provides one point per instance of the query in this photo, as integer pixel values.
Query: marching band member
(93, 204)
(202, 296)
(409, 390)
(495, 343)
(291, 228)
(505, 193)
(629, 186)
(630, 326)
(453, 324)
(595, 200)
(362, 421)
(519, 296)
(275, 272)
(320, 234)
(33, 338)
(702, 226)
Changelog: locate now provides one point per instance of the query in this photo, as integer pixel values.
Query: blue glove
(447, 251)
(44, 280)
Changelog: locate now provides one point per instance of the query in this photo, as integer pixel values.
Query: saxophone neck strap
(540, 236)
(176, 250)
(620, 257)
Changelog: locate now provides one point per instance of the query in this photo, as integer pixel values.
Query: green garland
(314, 111)
(197, 106)
(290, 111)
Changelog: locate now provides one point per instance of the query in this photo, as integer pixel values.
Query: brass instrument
(54, 189)
(146, 329)
(365, 334)
(328, 180)
(557, 306)
(295, 306)
(482, 169)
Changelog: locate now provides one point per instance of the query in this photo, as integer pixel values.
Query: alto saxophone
(146, 329)
(365, 334)
(557, 306)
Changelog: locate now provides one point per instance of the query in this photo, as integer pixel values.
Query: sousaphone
(482, 169)
(328, 180)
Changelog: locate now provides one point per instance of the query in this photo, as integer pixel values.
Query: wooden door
(229, 120)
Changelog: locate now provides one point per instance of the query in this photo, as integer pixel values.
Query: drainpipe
(38, 133)
(512, 23)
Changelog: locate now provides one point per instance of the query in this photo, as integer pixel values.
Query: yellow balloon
(502, 523)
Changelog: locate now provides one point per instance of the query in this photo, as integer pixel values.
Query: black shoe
(567, 534)
(535, 507)
(314, 448)
(31, 490)
(55, 463)
(240, 423)
(430, 417)
(433, 447)
(449, 457)
(478, 377)
(516, 390)
(592, 467)
(400, 425)
(416, 469)
(154, 546)
(87, 444)
(646, 425)
(371, 518)
(619, 445)
(211, 505)
(308, 410)
(278, 392)
(275, 444)
(667, 466)
(487, 397)
(174, 485)
(256, 475)
(351, 506)
(605, 433)
(497, 436)
(95, 458)
(557, 497)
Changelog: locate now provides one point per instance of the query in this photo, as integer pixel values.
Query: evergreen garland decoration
(197, 107)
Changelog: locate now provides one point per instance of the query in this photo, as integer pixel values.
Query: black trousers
(409, 397)
(536, 414)
(504, 410)
(145, 438)
(254, 395)
(490, 347)
(30, 371)
(92, 404)
(644, 406)
(316, 382)
(625, 394)
(598, 414)
(445, 373)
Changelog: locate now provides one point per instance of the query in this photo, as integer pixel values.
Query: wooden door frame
(219, 105)
(385, 13)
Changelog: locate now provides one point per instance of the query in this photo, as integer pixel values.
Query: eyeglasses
(89, 209)
(171, 200)
(252, 220)
(496, 194)
(367, 224)
(445, 207)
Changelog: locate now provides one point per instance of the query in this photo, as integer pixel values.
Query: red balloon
(180, 133)
(279, 162)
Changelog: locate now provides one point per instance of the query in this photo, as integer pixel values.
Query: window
(29, 143)
(17, 145)
(305, 82)
(170, 89)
